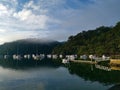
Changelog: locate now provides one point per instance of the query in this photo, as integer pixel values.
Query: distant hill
(28, 46)
(102, 40)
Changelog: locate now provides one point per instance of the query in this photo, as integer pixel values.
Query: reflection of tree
(23, 64)
(85, 71)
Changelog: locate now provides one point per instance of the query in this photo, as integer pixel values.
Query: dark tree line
(25, 47)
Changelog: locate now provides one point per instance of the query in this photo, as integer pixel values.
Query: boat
(64, 61)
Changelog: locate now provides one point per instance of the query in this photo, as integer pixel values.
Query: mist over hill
(29, 46)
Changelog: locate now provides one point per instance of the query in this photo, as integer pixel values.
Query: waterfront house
(60, 56)
(27, 56)
(70, 57)
(84, 57)
(105, 57)
(54, 56)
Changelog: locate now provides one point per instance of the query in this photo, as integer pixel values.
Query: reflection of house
(49, 56)
(36, 57)
(17, 57)
(42, 56)
(6, 56)
(27, 56)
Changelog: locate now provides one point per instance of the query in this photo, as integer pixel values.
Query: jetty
(83, 61)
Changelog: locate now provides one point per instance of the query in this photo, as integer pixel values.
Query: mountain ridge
(28, 46)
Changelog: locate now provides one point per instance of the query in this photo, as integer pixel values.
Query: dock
(82, 61)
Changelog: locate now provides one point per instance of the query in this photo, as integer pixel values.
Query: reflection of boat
(116, 87)
(103, 67)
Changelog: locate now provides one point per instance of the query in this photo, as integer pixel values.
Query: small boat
(64, 61)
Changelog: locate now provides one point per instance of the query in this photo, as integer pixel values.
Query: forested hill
(102, 40)
(28, 46)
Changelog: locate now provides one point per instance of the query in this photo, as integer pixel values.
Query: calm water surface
(51, 77)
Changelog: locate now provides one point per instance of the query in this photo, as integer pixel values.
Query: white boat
(64, 61)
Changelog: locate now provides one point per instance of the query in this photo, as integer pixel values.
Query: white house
(70, 57)
(83, 57)
(105, 57)
(60, 56)
(54, 56)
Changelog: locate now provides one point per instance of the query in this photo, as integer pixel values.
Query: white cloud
(23, 15)
(31, 5)
(27, 17)
(3, 10)
(3, 31)
(101, 12)
(2, 7)
(8, 36)
(54, 19)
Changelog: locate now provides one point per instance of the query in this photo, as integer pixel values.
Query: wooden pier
(82, 61)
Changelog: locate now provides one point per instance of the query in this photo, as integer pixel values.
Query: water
(49, 76)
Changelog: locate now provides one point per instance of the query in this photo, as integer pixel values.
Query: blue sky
(54, 19)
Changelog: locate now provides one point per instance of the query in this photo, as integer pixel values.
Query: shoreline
(115, 62)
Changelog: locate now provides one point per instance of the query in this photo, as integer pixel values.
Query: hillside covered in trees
(102, 40)
(28, 46)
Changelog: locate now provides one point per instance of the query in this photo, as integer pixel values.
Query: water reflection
(94, 73)
(52, 75)
(26, 64)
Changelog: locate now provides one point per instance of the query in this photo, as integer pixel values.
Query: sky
(54, 19)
